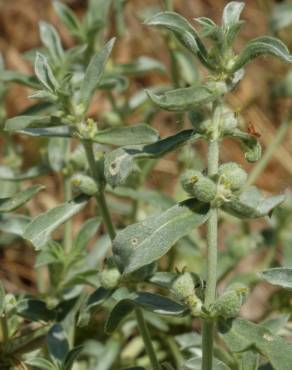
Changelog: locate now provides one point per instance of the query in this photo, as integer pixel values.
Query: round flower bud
(229, 304)
(109, 279)
(184, 289)
(199, 186)
(85, 184)
(232, 175)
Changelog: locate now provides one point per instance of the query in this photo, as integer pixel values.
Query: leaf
(44, 73)
(19, 78)
(38, 232)
(69, 18)
(19, 123)
(132, 135)
(71, 357)
(14, 223)
(120, 163)
(19, 199)
(186, 99)
(40, 363)
(7, 174)
(281, 276)
(52, 253)
(149, 302)
(94, 73)
(195, 363)
(250, 143)
(230, 20)
(58, 343)
(252, 204)
(147, 241)
(243, 335)
(264, 45)
(57, 149)
(140, 66)
(184, 32)
(35, 310)
(88, 230)
(51, 40)
(58, 131)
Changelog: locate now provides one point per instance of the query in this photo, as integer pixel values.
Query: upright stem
(212, 236)
(67, 197)
(146, 339)
(263, 162)
(101, 201)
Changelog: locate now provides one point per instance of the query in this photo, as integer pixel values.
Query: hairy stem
(263, 162)
(146, 339)
(212, 236)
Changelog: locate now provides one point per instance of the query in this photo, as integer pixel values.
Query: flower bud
(229, 304)
(184, 289)
(85, 184)
(109, 279)
(232, 175)
(199, 186)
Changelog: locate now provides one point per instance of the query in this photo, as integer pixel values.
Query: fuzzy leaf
(184, 32)
(147, 241)
(132, 135)
(7, 174)
(35, 310)
(281, 16)
(14, 223)
(19, 199)
(19, 78)
(94, 73)
(186, 99)
(20, 123)
(243, 335)
(264, 45)
(252, 204)
(120, 163)
(230, 20)
(44, 73)
(281, 276)
(38, 232)
(71, 357)
(51, 40)
(58, 131)
(147, 301)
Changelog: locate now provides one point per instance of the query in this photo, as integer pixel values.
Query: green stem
(168, 5)
(146, 339)
(101, 201)
(212, 236)
(67, 197)
(263, 162)
(100, 198)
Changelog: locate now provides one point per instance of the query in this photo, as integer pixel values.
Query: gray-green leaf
(51, 40)
(184, 32)
(264, 45)
(19, 199)
(120, 163)
(45, 74)
(38, 232)
(281, 276)
(186, 99)
(147, 241)
(149, 302)
(252, 204)
(94, 73)
(243, 335)
(132, 135)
